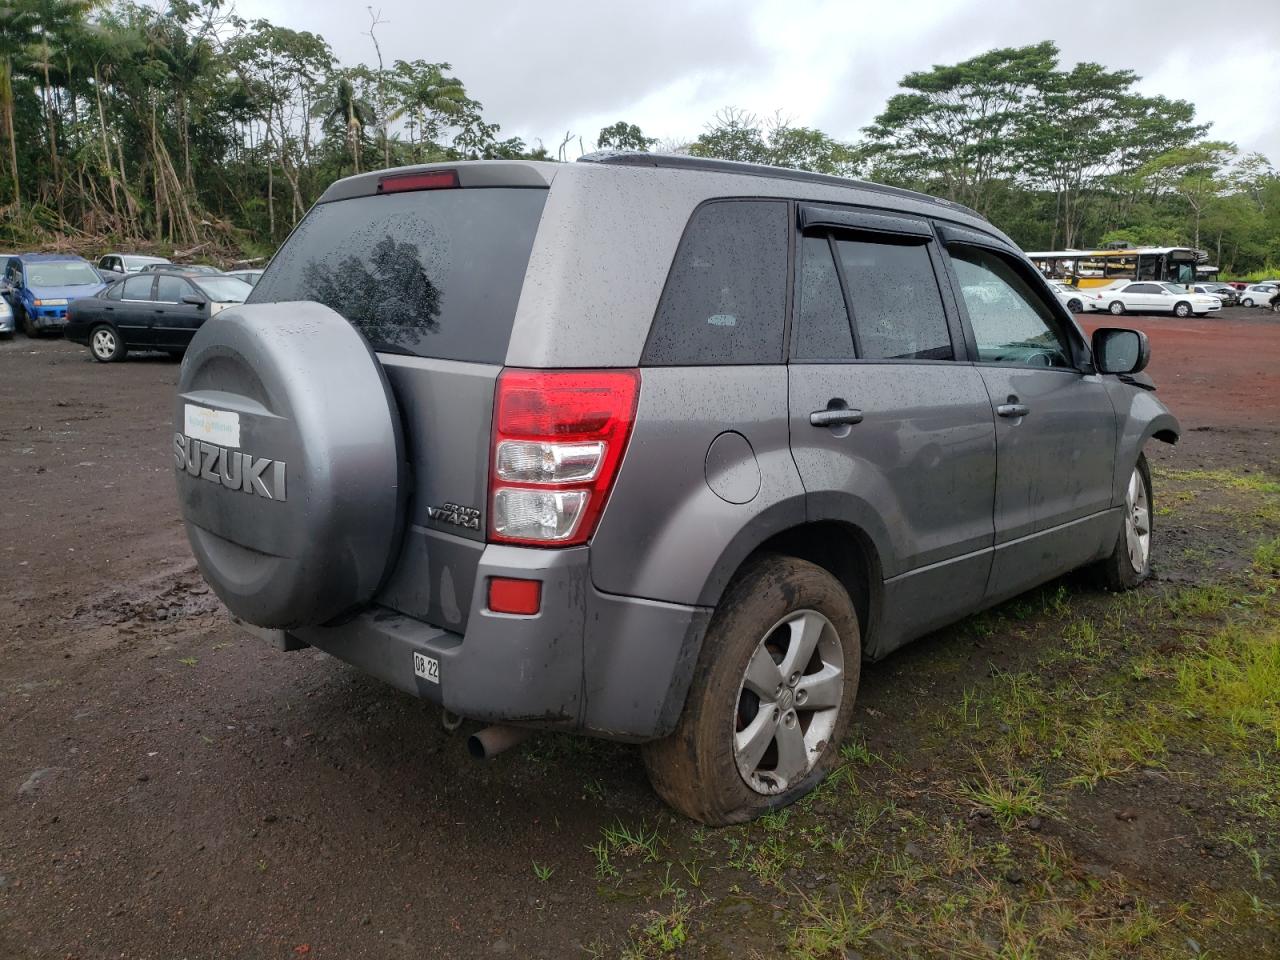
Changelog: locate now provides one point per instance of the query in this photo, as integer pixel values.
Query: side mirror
(1117, 350)
(194, 300)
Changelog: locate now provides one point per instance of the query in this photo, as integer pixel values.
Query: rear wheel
(1130, 560)
(1182, 309)
(1116, 309)
(105, 344)
(1247, 302)
(771, 699)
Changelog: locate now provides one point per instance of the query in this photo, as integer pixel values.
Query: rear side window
(897, 308)
(822, 322)
(725, 299)
(431, 273)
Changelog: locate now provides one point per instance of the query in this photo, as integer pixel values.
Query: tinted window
(171, 289)
(1010, 321)
(1143, 288)
(138, 288)
(113, 292)
(725, 298)
(436, 273)
(897, 309)
(822, 321)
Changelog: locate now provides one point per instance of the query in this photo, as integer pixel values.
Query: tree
(737, 135)
(17, 36)
(434, 104)
(623, 136)
(1193, 173)
(345, 109)
(952, 129)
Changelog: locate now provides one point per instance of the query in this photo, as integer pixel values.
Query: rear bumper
(616, 667)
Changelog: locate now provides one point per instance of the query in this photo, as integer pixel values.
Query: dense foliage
(190, 126)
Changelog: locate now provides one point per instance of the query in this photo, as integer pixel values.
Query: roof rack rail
(681, 161)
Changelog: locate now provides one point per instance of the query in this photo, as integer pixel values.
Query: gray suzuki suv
(652, 448)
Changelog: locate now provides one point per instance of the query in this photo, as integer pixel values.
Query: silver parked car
(656, 449)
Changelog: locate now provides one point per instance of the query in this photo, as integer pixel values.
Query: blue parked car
(39, 286)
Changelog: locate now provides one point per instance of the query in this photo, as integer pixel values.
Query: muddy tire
(779, 666)
(1130, 561)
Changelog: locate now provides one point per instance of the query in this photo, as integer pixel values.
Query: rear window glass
(433, 273)
(725, 299)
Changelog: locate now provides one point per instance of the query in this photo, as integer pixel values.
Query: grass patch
(1225, 479)
(1234, 677)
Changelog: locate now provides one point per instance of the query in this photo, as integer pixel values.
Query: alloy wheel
(788, 702)
(103, 343)
(1137, 522)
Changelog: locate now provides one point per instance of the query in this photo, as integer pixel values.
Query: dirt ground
(1040, 780)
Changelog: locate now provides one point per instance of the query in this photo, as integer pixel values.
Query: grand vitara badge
(204, 451)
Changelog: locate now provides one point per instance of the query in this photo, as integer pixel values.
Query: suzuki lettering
(260, 476)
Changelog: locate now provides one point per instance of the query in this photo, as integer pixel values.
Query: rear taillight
(558, 437)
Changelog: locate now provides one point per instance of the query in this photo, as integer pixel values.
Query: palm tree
(346, 109)
(430, 99)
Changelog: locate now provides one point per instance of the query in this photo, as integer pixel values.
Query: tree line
(190, 126)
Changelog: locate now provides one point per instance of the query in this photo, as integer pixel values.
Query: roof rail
(681, 161)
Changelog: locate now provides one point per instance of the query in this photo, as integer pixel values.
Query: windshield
(62, 273)
(223, 289)
(433, 273)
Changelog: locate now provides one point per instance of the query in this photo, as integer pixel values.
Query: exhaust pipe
(491, 741)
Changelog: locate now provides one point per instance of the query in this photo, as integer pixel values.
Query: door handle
(1013, 410)
(835, 417)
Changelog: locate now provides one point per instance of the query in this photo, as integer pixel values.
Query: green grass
(1266, 558)
(1246, 482)
(1235, 678)
(1010, 799)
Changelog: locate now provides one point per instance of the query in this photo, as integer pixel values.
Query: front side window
(138, 288)
(893, 292)
(822, 322)
(725, 298)
(1011, 323)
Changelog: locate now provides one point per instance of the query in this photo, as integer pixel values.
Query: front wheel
(105, 344)
(1182, 309)
(771, 698)
(1116, 309)
(1130, 561)
(29, 328)
(1246, 302)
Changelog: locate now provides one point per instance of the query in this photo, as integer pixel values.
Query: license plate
(428, 668)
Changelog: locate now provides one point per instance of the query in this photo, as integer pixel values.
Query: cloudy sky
(555, 65)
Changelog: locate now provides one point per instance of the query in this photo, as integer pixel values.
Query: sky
(542, 69)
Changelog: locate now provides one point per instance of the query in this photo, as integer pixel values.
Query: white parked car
(1258, 294)
(1146, 296)
(1073, 298)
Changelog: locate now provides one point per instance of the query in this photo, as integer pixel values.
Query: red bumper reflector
(522, 597)
(435, 180)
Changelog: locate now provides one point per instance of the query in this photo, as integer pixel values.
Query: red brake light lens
(435, 180)
(558, 437)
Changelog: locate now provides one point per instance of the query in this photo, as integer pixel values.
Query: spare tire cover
(290, 463)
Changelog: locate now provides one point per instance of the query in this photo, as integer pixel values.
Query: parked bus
(1097, 268)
